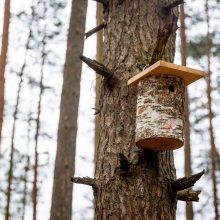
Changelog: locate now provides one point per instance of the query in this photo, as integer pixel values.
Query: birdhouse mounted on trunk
(160, 112)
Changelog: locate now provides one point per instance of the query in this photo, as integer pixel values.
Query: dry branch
(96, 29)
(173, 5)
(188, 195)
(186, 182)
(162, 39)
(97, 111)
(97, 67)
(84, 180)
(100, 1)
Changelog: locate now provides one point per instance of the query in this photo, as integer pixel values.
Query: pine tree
(66, 143)
(131, 183)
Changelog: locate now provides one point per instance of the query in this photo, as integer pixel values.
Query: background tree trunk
(213, 150)
(66, 143)
(36, 137)
(187, 150)
(142, 192)
(3, 59)
(12, 147)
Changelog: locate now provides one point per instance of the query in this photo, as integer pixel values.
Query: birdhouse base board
(160, 143)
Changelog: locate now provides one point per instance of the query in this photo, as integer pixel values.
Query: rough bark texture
(66, 143)
(142, 192)
(3, 58)
(99, 58)
(160, 113)
(187, 150)
(213, 150)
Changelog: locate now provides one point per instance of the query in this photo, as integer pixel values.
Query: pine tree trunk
(187, 150)
(213, 150)
(12, 147)
(99, 57)
(143, 192)
(3, 59)
(66, 144)
(36, 155)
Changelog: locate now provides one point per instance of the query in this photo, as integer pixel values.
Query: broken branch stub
(97, 67)
(188, 195)
(186, 182)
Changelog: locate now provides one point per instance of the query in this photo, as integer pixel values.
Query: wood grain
(189, 75)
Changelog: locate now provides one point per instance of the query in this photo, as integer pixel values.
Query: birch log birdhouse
(160, 112)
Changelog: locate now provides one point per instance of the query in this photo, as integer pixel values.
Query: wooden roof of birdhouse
(161, 67)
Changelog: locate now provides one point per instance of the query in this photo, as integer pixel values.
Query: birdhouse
(160, 112)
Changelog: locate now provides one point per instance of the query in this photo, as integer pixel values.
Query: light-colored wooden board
(189, 75)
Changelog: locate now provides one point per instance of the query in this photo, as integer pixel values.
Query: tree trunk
(99, 57)
(3, 59)
(36, 159)
(213, 150)
(12, 147)
(140, 190)
(187, 150)
(66, 144)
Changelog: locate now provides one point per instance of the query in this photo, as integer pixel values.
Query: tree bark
(3, 59)
(187, 150)
(213, 150)
(140, 190)
(99, 58)
(160, 113)
(66, 143)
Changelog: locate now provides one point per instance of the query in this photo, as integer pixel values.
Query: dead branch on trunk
(188, 195)
(100, 1)
(85, 181)
(186, 182)
(164, 34)
(97, 111)
(173, 5)
(97, 67)
(96, 29)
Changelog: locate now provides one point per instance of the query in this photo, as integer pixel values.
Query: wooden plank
(189, 75)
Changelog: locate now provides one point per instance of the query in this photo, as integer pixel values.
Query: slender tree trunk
(142, 193)
(99, 57)
(187, 150)
(12, 147)
(36, 163)
(66, 142)
(27, 166)
(3, 59)
(213, 150)
(25, 192)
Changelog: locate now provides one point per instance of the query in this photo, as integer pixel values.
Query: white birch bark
(160, 113)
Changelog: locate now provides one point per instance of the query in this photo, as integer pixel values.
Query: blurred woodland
(50, 106)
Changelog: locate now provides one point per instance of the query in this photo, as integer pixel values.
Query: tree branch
(173, 5)
(97, 67)
(186, 182)
(100, 1)
(96, 29)
(97, 111)
(84, 180)
(162, 39)
(188, 195)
